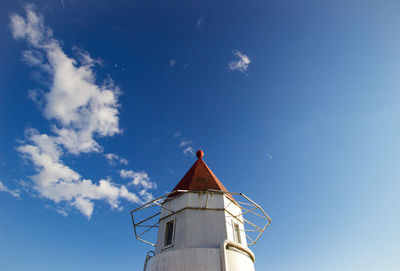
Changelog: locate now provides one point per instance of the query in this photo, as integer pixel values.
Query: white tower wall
(203, 235)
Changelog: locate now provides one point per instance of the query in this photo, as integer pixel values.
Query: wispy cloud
(200, 21)
(140, 179)
(79, 110)
(60, 211)
(12, 192)
(112, 158)
(241, 64)
(268, 153)
(177, 135)
(189, 151)
(172, 63)
(186, 145)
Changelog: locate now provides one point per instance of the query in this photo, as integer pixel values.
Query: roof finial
(199, 154)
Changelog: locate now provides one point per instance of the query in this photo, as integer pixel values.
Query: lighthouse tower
(201, 226)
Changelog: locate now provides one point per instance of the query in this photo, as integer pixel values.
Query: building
(201, 226)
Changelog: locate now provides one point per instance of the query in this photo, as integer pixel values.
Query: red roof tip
(199, 178)
(199, 154)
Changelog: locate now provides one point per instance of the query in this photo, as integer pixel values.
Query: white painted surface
(234, 214)
(237, 261)
(196, 259)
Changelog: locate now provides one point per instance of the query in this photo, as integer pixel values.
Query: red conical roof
(199, 178)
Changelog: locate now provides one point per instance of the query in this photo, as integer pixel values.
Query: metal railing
(248, 208)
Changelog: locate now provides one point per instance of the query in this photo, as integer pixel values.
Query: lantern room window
(169, 233)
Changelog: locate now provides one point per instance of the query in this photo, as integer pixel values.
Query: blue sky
(295, 104)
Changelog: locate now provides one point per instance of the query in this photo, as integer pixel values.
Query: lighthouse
(200, 225)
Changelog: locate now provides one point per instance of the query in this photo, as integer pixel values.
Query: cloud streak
(185, 145)
(188, 151)
(12, 192)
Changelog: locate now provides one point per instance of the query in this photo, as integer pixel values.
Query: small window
(236, 233)
(169, 233)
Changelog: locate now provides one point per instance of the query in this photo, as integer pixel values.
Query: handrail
(148, 256)
(228, 243)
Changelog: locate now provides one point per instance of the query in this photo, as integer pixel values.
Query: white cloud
(123, 161)
(241, 64)
(177, 135)
(18, 26)
(172, 63)
(59, 183)
(146, 195)
(62, 212)
(139, 178)
(111, 158)
(79, 110)
(14, 193)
